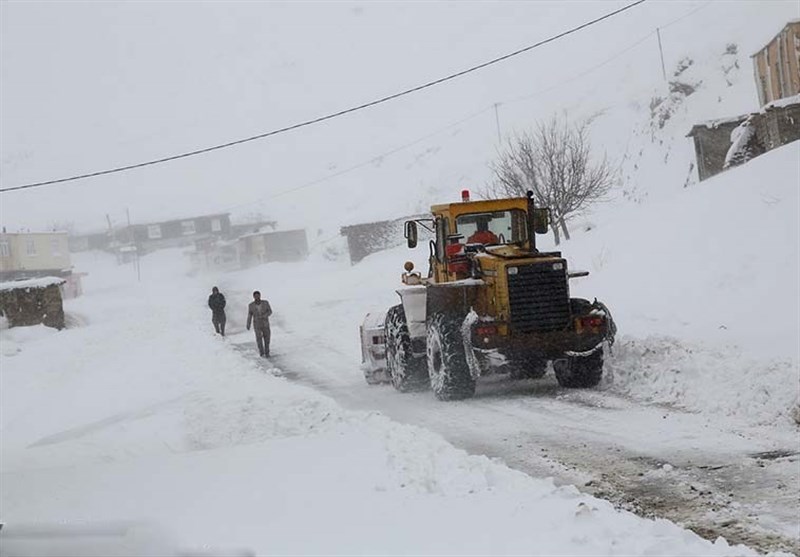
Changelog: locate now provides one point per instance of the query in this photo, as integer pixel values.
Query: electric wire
(582, 74)
(687, 14)
(368, 162)
(328, 116)
(427, 136)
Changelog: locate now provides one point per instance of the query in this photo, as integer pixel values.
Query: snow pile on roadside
(703, 287)
(718, 382)
(142, 414)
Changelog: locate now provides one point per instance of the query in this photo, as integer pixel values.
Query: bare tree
(555, 162)
(63, 226)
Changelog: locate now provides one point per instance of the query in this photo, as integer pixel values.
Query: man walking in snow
(217, 304)
(258, 313)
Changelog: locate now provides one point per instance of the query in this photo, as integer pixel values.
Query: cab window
(499, 227)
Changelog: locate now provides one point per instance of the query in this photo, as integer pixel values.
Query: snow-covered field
(136, 430)
(139, 415)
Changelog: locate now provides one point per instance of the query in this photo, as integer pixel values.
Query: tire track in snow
(93, 427)
(654, 460)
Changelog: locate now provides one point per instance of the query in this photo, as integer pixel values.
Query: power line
(684, 16)
(328, 116)
(472, 115)
(371, 160)
(582, 74)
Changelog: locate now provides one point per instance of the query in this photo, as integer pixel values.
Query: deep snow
(140, 414)
(148, 416)
(137, 413)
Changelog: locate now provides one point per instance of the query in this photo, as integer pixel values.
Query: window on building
(216, 225)
(187, 227)
(55, 246)
(154, 231)
(30, 247)
(5, 250)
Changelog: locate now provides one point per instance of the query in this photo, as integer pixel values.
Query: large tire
(579, 306)
(406, 371)
(526, 367)
(449, 373)
(580, 372)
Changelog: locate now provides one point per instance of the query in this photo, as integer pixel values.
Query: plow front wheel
(447, 363)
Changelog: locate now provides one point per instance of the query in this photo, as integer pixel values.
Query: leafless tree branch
(556, 163)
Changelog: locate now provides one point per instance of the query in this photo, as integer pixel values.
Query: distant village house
(29, 255)
(89, 242)
(721, 144)
(265, 247)
(777, 65)
(253, 246)
(216, 243)
(145, 238)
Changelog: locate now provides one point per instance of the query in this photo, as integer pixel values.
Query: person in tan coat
(258, 313)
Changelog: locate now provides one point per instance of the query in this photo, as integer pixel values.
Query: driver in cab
(483, 235)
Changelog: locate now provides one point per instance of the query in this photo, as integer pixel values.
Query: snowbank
(715, 269)
(721, 383)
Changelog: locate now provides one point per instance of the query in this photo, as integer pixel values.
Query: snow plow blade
(373, 348)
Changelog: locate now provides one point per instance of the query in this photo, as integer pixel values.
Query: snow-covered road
(694, 420)
(139, 411)
(653, 459)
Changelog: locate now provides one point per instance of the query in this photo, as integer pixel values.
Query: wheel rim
(435, 363)
(394, 357)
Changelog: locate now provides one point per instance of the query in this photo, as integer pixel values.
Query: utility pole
(661, 50)
(135, 247)
(497, 121)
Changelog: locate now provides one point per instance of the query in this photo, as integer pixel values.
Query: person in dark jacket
(258, 313)
(217, 304)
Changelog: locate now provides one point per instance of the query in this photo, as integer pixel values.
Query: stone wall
(371, 237)
(779, 126)
(711, 144)
(773, 127)
(32, 306)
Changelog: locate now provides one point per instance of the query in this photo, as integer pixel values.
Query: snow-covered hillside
(137, 420)
(140, 394)
(702, 283)
(252, 67)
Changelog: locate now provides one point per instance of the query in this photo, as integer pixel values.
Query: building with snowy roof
(30, 255)
(777, 65)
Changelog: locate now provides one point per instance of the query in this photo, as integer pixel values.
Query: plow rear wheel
(406, 371)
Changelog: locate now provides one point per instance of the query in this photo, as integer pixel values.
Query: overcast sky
(91, 85)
